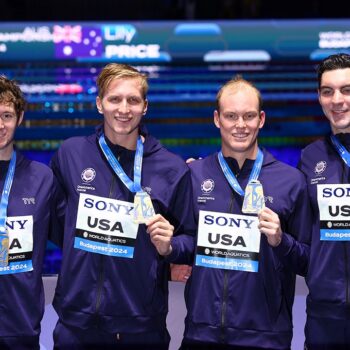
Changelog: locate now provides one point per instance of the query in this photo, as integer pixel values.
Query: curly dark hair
(10, 92)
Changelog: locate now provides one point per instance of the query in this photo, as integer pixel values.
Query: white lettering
(334, 40)
(29, 34)
(132, 51)
(124, 33)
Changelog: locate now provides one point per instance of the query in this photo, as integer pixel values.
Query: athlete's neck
(340, 131)
(6, 153)
(240, 157)
(127, 141)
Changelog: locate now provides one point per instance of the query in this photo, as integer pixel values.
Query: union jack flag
(67, 34)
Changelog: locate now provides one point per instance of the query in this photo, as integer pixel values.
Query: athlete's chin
(4, 144)
(240, 141)
(240, 146)
(341, 125)
(123, 131)
(4, 141)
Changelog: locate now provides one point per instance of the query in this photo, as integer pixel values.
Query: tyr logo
(30, 200)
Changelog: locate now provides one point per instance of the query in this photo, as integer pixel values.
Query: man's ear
(20, 119)
(99, 105)
(262, 119)
(145, 107)
(217, 119)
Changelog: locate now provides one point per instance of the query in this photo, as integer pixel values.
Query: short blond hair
(119, 71)
(236, 83)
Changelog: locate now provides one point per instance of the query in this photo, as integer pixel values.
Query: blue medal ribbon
(342, 151)
(113, 161)
(6, 192)
(231, 178)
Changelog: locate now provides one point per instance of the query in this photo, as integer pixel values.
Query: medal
(143, 207)
(4, 247)
(253, 194)
(253, 198)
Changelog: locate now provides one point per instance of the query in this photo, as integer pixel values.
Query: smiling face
(239, 121)
(123, 107)
(8, 124)
(334, 97)
(12, 105)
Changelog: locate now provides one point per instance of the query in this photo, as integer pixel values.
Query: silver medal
(143, 207)
(4, 248)
(253, 198)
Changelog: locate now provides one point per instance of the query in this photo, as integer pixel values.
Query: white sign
(20, 231)
(105, 226)
(228, 241)
(334, 207)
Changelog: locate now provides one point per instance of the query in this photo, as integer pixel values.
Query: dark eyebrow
(329, 87)
(325, 87)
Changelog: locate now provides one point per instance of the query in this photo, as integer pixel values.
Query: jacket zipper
(100, 279)
(225, 293)
(346, 258)
(224, 306)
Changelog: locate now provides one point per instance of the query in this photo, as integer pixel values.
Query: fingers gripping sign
(161, 232)
(270, 226)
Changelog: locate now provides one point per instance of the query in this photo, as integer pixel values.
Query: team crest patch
(207, 186)
(320, 167)
(88, 175)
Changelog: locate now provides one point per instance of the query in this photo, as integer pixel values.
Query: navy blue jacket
(22, 294)
(120, 294)
(247, 308)
(328, 278)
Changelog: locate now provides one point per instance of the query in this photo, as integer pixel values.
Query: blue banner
(170, 41)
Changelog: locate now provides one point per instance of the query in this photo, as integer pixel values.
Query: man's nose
(337, 97)
(123, 107)
(240, 122)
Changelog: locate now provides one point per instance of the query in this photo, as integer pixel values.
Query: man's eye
(346, 90)
(7, 116)
(134, 100)
(326, 92)
(114, 99)
(249, 116)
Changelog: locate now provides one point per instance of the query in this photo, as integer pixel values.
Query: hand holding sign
(161, 232)
(270, 226)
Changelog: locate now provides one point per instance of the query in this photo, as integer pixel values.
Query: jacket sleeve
(294, 249)
(182, 217)
(58, 205)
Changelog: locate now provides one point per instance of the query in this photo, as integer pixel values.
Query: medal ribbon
(342, 151)
(231, 178)
(6, 192)
(113, 161)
